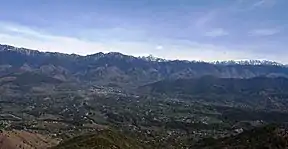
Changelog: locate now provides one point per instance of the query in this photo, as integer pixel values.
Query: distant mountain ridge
(147, 58)
(124, 70)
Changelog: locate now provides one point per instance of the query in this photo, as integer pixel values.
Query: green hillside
(104, 139)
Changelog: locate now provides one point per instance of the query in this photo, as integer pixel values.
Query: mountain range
(175, 103)
(124, 70)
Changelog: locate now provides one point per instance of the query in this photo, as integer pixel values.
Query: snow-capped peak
(152, 58)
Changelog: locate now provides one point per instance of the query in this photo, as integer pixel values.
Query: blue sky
(206, 30)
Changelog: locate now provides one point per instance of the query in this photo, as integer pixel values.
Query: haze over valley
(146, 74)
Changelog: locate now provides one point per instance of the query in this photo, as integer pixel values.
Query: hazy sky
(174, 29)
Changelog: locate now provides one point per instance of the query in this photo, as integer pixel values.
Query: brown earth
(25, 140)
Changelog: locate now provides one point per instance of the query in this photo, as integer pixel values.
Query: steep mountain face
(121, 69)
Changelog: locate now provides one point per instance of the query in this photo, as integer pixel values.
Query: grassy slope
(102, 140)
